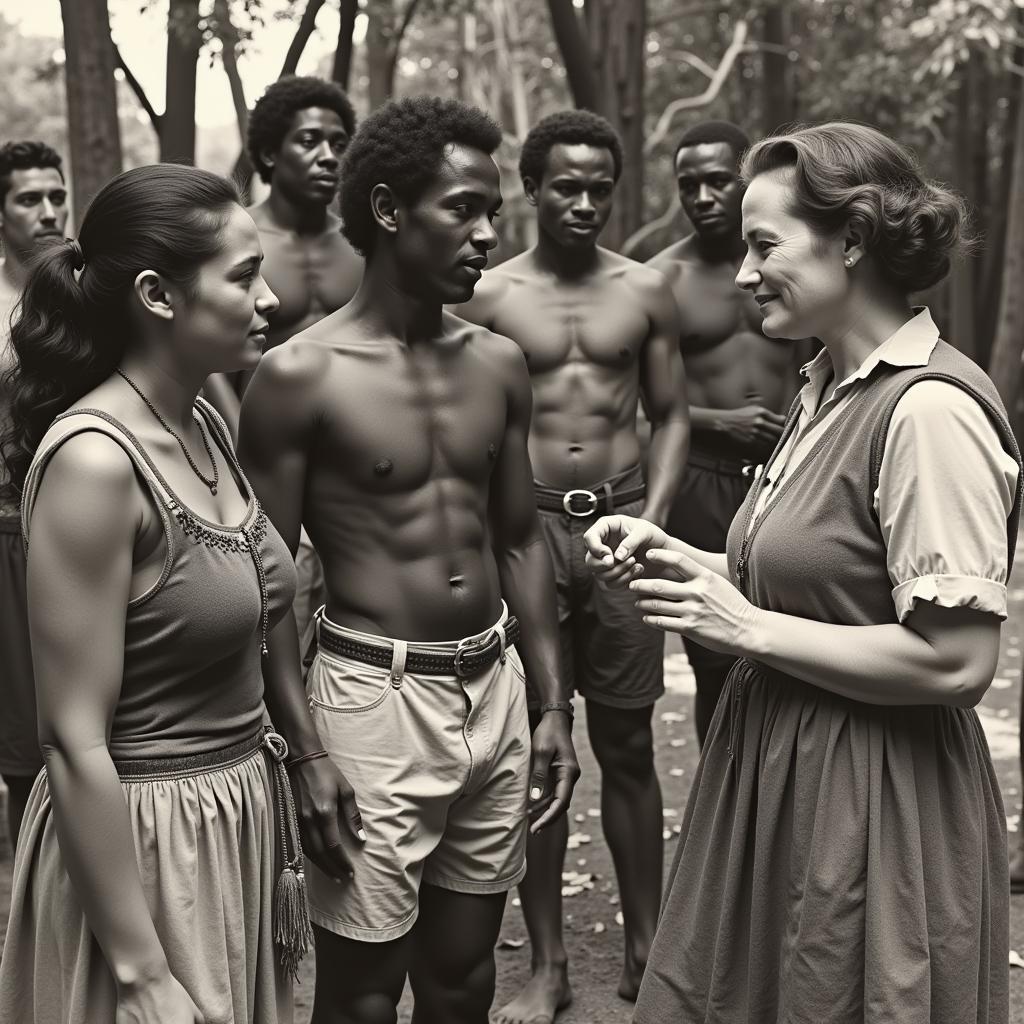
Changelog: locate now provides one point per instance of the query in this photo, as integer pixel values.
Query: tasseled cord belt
(292, 931)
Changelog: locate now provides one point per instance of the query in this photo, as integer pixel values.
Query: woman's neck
(172, 396)
(870, 322)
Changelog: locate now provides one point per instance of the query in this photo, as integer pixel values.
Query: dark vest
(817, 550)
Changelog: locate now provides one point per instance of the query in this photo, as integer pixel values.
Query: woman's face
(796, 274)
(225, 320)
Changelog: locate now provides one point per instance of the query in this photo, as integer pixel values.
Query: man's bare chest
(308, 277)
(602, 327)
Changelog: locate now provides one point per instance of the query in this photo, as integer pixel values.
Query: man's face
(35, 209)
(710, 189)
(306, 165)
(574, 197)
(443, 238)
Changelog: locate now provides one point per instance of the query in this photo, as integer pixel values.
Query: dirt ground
(593, 935)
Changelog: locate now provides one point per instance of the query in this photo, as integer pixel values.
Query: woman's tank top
(192, 679)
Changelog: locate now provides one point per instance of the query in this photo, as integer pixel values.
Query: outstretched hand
(697, 603)
(617, 547)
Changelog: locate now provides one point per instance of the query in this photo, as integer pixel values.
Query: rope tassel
(293, 933)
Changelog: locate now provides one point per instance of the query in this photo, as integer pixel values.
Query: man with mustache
(598, 331)
(739, 382)
(33, 212)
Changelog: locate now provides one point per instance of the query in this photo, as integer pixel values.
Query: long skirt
(839, 862)
(205, 846)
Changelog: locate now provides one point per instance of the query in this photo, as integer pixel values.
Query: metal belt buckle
(467, 648)
(591, 499)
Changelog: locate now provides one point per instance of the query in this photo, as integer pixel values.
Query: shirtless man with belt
(597, 330)
(739, 382)
(398, 433)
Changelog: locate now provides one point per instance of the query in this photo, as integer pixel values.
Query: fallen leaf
(511, 943)
(599, 927)
(676, 772)
(618, 918)
(672, 716)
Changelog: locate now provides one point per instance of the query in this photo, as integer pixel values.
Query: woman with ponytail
(158, 874)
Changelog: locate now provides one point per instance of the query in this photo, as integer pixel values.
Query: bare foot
(632, 975)
(546, 994)
(1017, 869)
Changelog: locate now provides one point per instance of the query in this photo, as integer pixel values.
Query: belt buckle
(467, 648)
(591, 497)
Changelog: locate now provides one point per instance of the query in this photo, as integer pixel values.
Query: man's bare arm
(663, 386)
(274, 438)
(528, 586)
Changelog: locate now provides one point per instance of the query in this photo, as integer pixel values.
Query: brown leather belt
(470, 658)
(582, 503)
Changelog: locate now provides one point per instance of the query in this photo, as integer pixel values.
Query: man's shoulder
(499, 348)
(644, 279)
(507, 277)
(674, 258)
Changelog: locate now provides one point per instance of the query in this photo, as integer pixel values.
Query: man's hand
(617, 547)
(323, 798)
(752, 426)
(553, 769)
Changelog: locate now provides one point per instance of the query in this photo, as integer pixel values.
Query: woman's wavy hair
(847, 172)
(70, 328)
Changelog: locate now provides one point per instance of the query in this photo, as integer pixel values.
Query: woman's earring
(848, 262)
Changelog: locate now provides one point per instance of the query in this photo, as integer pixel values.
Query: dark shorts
(712, 491)
(19, 744)
(608, 654)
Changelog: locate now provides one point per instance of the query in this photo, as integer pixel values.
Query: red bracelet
(305, 757)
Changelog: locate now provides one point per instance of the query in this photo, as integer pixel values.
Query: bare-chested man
(398, 433)
(33, 212)
(739, 382)
(597, 330)
(298, 131)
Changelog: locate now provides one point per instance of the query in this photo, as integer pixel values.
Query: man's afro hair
(401, 145)
(20, 156)
(714, 131)
(570, 128)
(272, 116)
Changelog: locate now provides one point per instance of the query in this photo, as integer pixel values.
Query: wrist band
(305, 757)
(559, 705)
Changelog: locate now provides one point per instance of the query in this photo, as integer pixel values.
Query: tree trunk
(228, 35)
(94, 134)
(617, 42)
(381, 54)
(342, 68)
(1005, 368)
(178, 124)
(575, 52)
(961, 283)
(777, 92)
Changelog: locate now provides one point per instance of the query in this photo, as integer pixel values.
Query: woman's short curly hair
(570, 128)
(272, 116)
(847, 172)
(401, 145)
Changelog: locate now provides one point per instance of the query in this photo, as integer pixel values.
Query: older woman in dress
(843, 853)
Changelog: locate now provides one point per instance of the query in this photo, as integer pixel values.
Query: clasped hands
(674, 592)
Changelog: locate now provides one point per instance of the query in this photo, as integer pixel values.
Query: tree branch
(306, 25)
(732, 51)
(136, 87)
(228, 36)
(410, 10)
(342, 66)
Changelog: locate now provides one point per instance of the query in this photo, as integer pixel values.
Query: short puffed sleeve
(945, 490)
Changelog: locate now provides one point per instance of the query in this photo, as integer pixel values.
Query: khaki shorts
(440, 768)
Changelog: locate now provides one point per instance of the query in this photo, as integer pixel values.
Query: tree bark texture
(777, 92)
(1005, 368)
(341, 70)
(93, 130)
(617, 46)
(573, 45)
(178, 124)
(962, 291)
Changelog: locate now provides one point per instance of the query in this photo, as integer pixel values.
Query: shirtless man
(739, 382)
(33, 212)
(398, 433)
(597, 330)
(298, 132)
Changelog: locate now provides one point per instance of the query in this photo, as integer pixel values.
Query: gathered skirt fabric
(205, 849)
(838, 862)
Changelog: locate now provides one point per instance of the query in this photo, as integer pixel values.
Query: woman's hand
(617, 548)
(702, 605)
(160, 1000)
